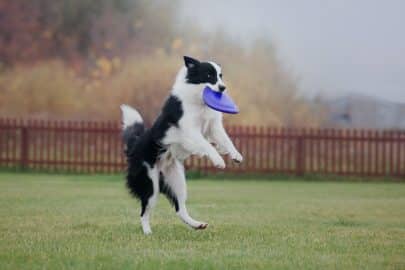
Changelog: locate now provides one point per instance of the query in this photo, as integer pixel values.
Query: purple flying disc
(219, 101)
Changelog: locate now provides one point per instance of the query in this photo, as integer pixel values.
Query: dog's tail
(132, 124)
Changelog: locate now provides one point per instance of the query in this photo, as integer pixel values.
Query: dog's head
(204, 74)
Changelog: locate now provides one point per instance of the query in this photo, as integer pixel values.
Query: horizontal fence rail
(96, 147)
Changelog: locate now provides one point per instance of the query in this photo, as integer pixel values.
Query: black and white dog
(185, 126)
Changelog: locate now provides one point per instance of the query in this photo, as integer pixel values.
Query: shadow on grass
(345, 222)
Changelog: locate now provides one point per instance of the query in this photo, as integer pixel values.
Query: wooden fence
(95, 147)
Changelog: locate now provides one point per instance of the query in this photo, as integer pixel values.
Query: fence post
(300, 156)
(24, 148)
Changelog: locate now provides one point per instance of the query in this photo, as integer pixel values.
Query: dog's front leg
(219, 136)
(195, 143)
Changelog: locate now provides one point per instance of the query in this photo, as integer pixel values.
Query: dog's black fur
(199, 73)
(145, 147)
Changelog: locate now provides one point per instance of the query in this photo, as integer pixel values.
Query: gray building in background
(358, 111)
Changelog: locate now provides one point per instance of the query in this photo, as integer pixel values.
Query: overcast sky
(334, 46)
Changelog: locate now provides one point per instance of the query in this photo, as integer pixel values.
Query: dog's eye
(220, 75)
(209, 76)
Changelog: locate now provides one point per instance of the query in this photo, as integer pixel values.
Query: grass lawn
(90, 222)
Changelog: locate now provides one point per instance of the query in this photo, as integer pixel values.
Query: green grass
(90, 222)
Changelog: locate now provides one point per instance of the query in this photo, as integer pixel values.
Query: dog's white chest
(196, 121)
(179, 152)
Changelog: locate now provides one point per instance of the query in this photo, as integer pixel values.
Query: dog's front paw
(236, 157)
(218, 162)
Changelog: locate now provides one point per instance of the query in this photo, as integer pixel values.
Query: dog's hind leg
(173, 185)
(148, 197)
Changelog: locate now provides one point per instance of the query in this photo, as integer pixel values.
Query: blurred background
(286, 63)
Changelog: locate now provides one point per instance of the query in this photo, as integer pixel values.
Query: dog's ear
(190, 62)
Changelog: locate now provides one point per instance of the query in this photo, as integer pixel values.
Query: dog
(184, 127)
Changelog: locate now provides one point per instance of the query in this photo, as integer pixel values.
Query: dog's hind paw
(147, 231)
(202, 226)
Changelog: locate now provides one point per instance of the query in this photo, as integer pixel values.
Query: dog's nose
(221, 88)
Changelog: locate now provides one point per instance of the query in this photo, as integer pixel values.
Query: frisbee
(219, 101)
